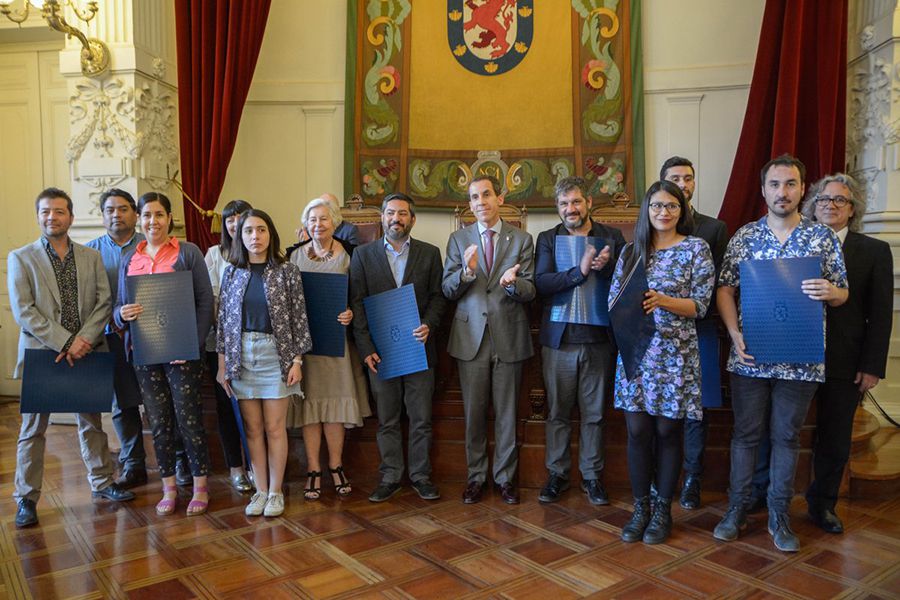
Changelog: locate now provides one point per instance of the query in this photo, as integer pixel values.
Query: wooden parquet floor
(409, 548)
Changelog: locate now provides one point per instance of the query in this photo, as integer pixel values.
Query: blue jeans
(785, 403)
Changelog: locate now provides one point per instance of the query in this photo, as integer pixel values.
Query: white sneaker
(274, 505)
(257, 505)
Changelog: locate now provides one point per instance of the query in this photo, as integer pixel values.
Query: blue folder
(780, 323)
(326, 298)
(239, 419)
(632, 327)
(710, 371)
(167, 329)
(51, 387)
(392, 317)
(586, 303)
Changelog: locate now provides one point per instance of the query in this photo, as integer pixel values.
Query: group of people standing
(249, 294)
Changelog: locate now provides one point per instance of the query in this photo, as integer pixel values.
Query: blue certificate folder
(51, 387)
(780, 323)
(587, 303)
(326, 298)
(632, 327)
(392, 317)
(710, 371)
(167, 329)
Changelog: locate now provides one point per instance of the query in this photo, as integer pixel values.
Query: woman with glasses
(666, 386)
(229, 435)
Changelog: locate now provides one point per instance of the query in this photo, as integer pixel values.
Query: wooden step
(876, 473)
(865, 426)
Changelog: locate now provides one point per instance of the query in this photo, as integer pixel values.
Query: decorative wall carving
(104, 110)
(869, 110)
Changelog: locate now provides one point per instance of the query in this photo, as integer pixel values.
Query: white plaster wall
(698, 61)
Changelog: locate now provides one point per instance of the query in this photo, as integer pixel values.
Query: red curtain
(218, 45)
(797, 100)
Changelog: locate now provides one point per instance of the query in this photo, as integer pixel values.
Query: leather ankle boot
(660, 525)
(634, 529)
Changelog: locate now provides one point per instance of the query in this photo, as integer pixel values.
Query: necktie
(489, 249)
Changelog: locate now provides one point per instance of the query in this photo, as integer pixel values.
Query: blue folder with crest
(167, 329)
(326, 298)
(55, 387)
(586, 304)
(710, 370)
(392, 317)
(779, 322)
(632, 327)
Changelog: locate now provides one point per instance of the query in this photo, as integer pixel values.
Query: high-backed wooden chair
(366, 218)
(619, 212)
(517, 216)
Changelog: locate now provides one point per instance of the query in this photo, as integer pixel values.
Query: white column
(124, 124)
(873, 152)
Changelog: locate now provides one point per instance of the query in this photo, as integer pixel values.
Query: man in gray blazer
(386, 264)
(59, 295)
(489, 272)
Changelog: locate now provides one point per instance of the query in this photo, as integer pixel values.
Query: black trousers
(229, 434)
(837, 403)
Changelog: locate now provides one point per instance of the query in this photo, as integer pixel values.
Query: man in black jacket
(858, 334)
(578, 360)
(680, 171)
(385, 264)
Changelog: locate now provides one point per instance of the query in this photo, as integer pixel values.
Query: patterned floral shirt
(756, 241)
(67, 281)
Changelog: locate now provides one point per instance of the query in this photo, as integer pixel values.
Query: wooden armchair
(366, 218)
(619, 212)
(514, 215)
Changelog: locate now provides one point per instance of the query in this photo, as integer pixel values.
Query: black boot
(660, 523)
(634, 529)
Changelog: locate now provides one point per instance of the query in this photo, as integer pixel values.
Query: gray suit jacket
(35, 300)
(482, 301)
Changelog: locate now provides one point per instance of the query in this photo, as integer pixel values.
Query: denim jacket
(287, 311)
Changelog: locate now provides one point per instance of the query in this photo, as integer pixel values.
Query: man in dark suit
(858, 334)
(489, 272)
(680, 171)
(59, 296)
(578, 359)
(376, 267)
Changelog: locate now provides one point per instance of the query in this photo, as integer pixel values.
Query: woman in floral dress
(666, 386)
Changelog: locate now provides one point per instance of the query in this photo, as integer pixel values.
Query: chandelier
(94, 53)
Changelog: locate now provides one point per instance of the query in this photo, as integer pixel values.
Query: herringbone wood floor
(409, 548)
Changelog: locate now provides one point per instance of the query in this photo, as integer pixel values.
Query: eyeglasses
(670, 207)
(838, 201)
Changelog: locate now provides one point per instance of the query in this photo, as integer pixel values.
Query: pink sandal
(166, 506)
(198, 507)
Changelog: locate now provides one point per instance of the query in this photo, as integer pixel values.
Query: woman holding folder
(261, 337)
(335, 387)
(217, 261)
(666, 385)
(171, 391)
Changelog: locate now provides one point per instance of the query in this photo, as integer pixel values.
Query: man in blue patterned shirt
(780, 392)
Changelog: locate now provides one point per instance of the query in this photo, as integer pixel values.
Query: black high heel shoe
(313, 492)
(343, 487)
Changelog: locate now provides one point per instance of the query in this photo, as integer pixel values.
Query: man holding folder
(579, 359)
(386, 264)
(779, 392)
(59, 295)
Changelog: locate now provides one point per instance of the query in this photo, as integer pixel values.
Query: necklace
(327, 256)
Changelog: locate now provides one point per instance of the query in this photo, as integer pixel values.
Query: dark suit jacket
(549, 282)
(715, 233)
(859, 331)
(370, 274)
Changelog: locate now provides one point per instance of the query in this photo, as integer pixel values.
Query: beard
(398, 234)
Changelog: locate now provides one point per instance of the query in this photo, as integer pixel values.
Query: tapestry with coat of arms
(529, 91)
